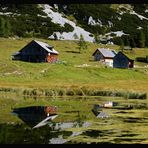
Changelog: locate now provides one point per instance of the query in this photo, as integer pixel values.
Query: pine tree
(55, 36)
(75, 36)
(132, 43)
(97, 38)
(127, 42)
(121, 45)
(2, 27)
(82, 44)
(141, 39)
(146, 36)
(7, 28)
(146, 58)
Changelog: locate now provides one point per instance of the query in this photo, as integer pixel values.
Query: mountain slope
(111, 21)
(61, 20)
(106, 23)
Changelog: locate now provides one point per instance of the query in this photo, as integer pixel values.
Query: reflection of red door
(51, 58)
(51, 110)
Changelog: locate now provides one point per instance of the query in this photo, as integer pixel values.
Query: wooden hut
(37, 51)
(104, 55)
(122, 61)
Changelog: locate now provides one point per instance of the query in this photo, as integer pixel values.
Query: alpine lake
(76, 123)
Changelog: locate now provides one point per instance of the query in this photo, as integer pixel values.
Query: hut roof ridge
(48, 48)
(106, 52)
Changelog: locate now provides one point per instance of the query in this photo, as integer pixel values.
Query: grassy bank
(64, 92)
(74, 70)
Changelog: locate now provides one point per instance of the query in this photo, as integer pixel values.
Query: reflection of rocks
(65, 125)
(102, 115)
(62, 126)
(76, 134)
(86, 124)
(58, 140)
(61, 140)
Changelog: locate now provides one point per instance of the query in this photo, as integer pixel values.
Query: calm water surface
(76, 123)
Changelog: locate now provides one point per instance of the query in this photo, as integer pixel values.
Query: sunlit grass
(44, 75)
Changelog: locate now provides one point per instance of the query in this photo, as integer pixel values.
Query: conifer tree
(132, 43)
(121, 45)
(146, 36)
(141, 39)
(75, 36)
(55, 36)
(97, 38)
(146, 58)
(7, 28)
(81, 44)
(127, 42)
(2, 27)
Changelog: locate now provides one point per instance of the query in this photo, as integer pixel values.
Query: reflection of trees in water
(22, 134)
(53, 132)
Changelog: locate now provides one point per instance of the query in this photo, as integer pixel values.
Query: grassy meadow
(74, 70)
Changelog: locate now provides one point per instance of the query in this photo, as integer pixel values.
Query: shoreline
(63, 92)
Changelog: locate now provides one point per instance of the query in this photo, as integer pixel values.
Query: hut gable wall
(33, 49)
(98, 56)
(103, 53)
(120, 61)
(33, 53)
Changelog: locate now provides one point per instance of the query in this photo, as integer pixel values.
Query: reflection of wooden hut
(36, 51)
(122, 61)
(104, 55)
(36, 116)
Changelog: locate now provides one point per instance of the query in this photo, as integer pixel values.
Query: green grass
(25, 75)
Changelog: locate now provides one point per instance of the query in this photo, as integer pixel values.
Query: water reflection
(66, 125)
(59, 140)
(22, 134)
(124, 125)
(53, 133)
(39, 116)
(61, 126)
(36, 116)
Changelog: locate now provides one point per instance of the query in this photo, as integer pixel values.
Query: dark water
(49, 134)
(75, 123)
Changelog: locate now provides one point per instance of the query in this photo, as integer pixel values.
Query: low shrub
(75, 92)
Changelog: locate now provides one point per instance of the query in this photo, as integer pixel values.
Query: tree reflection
(22, 134)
